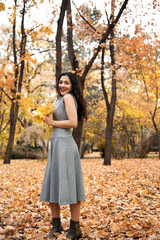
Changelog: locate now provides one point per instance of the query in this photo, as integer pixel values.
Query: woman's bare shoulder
(68, 97)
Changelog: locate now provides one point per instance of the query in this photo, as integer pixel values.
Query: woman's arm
(71, 111)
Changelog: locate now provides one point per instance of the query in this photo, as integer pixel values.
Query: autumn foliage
(41, 112)
(122, 201)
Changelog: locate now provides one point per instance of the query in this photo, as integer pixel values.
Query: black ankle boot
(57, 227)
(74, 232)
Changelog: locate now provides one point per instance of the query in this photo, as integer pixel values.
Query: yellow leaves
(46, 29)
(2, 7)
(29, 58)
(42, 111)
(34, 35)
(14, 12)
(130, 109)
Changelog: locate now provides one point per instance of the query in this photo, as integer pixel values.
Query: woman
(63, 181)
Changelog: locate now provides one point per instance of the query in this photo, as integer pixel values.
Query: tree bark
(158, 137)
(77, 132)
(13, 119)
(77, 135)
(157, 132)
(71, 52)
(110, 106)
(17, 84)
(110, 113)
(110, 109)
(154, 123)
(58, 39)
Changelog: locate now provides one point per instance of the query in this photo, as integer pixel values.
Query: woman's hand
(71, 111)
(48, 120)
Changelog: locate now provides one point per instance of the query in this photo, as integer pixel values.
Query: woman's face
(64, 85)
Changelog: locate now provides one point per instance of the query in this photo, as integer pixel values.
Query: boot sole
(80, 236)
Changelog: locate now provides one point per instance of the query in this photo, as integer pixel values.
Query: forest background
(113, 48)
(123, 77)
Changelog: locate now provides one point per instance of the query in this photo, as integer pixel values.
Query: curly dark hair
(77, 93)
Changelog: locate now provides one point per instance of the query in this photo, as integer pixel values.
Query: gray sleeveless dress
(63, 180)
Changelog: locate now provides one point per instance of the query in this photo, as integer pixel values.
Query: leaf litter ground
(122, 200)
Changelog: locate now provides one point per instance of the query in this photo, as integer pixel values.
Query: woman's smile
(65, 85)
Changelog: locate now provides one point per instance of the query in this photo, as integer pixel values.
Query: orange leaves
(122, 201)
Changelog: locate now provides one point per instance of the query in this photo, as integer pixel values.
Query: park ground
(122, 200)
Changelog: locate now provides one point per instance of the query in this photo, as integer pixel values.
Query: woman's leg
(55, 210)
(74, 229)
(75, 211)
(56, 221)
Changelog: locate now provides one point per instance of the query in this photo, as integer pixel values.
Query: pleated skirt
(63, 179)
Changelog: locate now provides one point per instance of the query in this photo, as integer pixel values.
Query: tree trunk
(77, 135)
(71, 53)
(155, 126)
(58, 39)
(158, 138)
(13, 121)
(17, 84)
(108, 141)
(110, 117)
(77, 132)
(111, 106)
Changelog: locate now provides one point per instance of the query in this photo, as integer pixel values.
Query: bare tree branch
(71, 52)
(104, 37)
(120, 12)
(11, 99)
(5, 127)
(32, 29)
(93, 28)
(43, 85)
(35, 72)
(102, 80)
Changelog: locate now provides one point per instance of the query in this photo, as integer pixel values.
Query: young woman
(63, 180)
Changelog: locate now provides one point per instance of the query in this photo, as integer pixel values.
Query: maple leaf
(41, 112)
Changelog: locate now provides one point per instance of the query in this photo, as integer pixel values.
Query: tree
(82, 72)
(59, 39)
(146, 74)
(24, 44)
(94, 127)
(18, 78)
(110, 105)
(139, 83)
